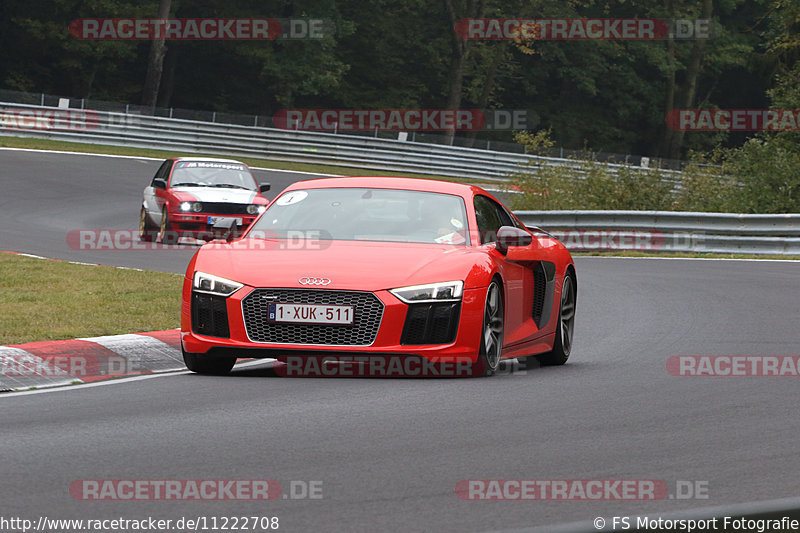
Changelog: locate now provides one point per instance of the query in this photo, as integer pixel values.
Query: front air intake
(431, 323)
(210, 315)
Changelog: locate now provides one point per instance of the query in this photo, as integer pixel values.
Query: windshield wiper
(186, 184)
(230, 186)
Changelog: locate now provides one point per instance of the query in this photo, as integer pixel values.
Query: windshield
(212, 174)
(362, 214)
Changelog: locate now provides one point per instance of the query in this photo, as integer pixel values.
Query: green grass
(687, 255)
(51, 300)
(47, 144)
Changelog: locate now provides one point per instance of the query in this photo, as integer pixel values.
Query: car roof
(208, 160)
(391, 182)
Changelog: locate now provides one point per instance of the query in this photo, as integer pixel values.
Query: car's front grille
(210, 315)
(368, 311)
(224, 208)
(435, 323)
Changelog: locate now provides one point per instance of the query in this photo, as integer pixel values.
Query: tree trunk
(459, 62)
(698, 53)
(488, 85)
(167, 84)
(670, 100)
(155, 62)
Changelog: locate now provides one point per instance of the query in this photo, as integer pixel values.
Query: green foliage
(769, 169)
(592, 185)
(761, 176)
(534, 143)
(578, 184)
(707, 186)
(603, 95)
(768, 165)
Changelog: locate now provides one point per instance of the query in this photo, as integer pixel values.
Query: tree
(155, 61)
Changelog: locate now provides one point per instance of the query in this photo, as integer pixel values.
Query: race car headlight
(255, 209)
(215, 285)
(434, 292)
(191, 206)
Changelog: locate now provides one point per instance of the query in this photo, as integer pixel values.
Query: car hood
(215, 194)
(348, 265)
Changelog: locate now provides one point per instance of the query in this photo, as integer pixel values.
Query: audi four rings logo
(314, 281)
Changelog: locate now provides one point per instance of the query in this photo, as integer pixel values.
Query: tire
(165, 232)
(562, 346)
(204, 364)
(491, 348)
(147, 231)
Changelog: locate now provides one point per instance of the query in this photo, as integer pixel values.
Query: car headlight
(191, 206)
(215, 285)
(433, 292)
(256, 209)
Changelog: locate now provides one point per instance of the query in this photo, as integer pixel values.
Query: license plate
(214, 220)
(311, 314)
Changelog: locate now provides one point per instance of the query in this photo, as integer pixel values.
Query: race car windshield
(212, 174)
(362, 214)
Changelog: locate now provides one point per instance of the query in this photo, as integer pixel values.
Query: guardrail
(670, 231)
(579, 230)
(144, 131)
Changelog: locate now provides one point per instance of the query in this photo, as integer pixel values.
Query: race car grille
(435, 323)
(210, 315)
(368, 311)
(224, 208)
(539, 290)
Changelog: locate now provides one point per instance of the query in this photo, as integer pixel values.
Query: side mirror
(159, 184)
(223, 229)
(508, 236)
(264, 187)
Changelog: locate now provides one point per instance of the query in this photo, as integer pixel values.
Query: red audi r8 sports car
(188, 195)
(380, 269)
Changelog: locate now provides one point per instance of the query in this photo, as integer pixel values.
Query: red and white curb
(57, 363)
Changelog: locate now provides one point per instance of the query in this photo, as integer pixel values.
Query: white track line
(71, 386)
(89, 385)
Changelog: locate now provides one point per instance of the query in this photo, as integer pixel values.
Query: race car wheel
(203, 364)
(492, 338)
(146, 230)
(165, 235)
(565, 328)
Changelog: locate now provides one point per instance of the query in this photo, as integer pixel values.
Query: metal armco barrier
(143, 131)
(579, 230)
(671, 231)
